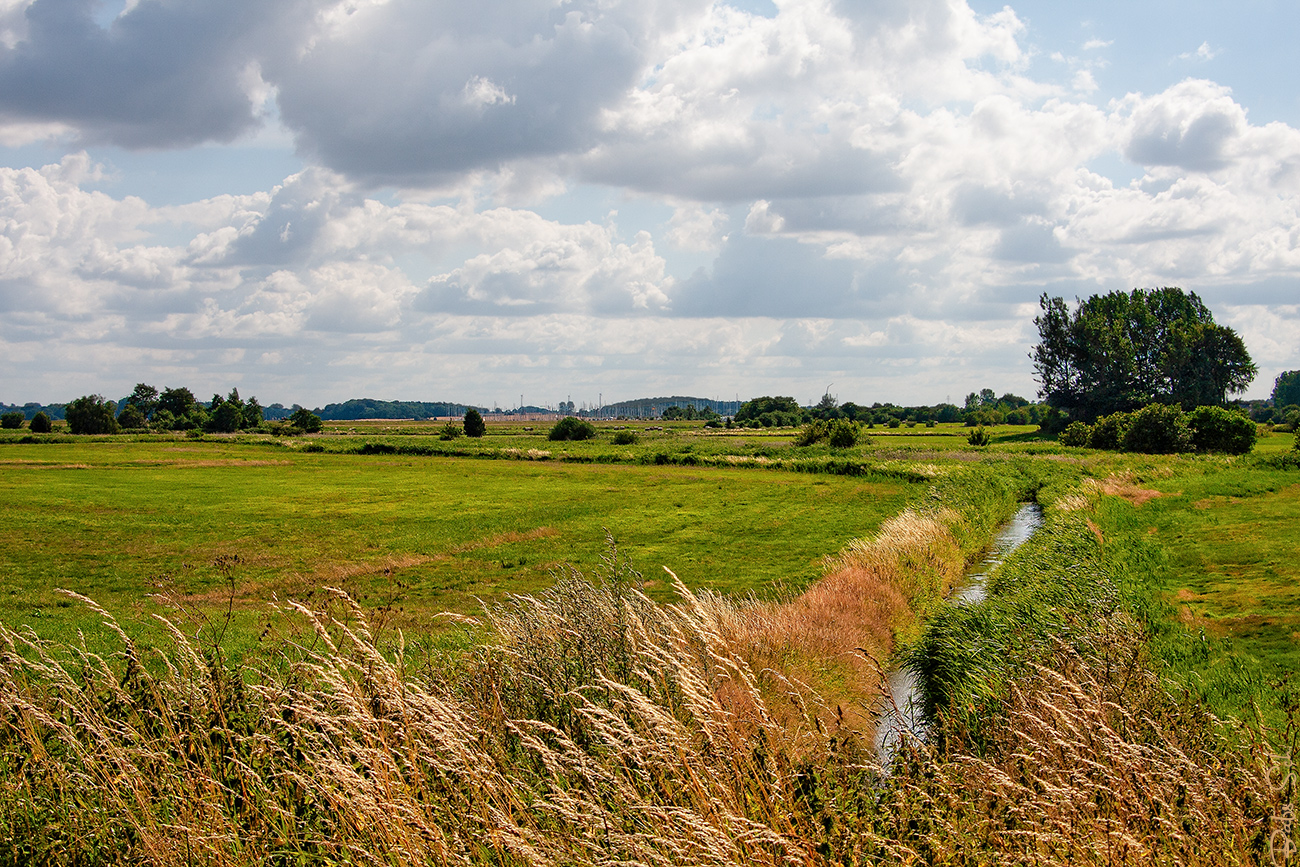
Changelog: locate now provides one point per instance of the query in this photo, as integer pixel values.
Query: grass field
(120, 520)
(588, 723)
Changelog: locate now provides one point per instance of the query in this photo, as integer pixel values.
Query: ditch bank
(904, 713)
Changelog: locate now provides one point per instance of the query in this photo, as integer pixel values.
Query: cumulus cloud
(877, 184)
(160, 75)
(1193, 125)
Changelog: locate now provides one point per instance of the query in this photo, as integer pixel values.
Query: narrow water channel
(904, 716)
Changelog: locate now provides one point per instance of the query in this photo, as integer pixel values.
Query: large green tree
(144, 397)
(1286, 389)
(180, 402)
(1124, 350)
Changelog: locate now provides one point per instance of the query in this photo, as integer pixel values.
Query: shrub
(1109, 431)
(572, 428)
(625, 438)
(1076, 435)
(979, 437)
(306, 420)
(813, 432)
(12, 420)
(843, 433)
(1157, 429)
(449, 431)
(41, 423)
(474, 424)
(1215, 429)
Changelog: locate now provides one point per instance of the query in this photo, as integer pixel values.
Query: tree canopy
(92, 414)
(1124, 350)
(1286, 389)
(758, 406)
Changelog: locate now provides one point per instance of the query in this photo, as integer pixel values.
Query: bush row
(1159, 429)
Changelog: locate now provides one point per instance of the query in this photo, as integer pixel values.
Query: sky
(597, 200)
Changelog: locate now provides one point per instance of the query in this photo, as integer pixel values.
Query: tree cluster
(982, 408)
(689, 413)
(1121, 351)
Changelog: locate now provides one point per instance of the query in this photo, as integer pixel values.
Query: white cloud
(908, 190)
(1203, 53)
(481, 92)
(696, 228)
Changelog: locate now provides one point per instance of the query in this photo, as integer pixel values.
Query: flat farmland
(208, 523)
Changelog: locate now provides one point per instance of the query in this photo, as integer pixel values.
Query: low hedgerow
(1164, 429)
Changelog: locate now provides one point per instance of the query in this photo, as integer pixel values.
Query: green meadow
(412, 526)
(144, 526)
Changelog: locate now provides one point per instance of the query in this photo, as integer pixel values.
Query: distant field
(433, 526)
(119, 520)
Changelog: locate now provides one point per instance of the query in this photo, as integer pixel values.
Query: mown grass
(412, 536)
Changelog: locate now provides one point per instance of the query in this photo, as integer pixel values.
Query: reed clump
(834, 633)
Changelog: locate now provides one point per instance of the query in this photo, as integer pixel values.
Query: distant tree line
(177, 409)
(981, 408)
(368, 408)
(28, 411)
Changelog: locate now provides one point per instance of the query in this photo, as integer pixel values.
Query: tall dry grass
(835, 635)
(1097, 762)
(598, 728)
